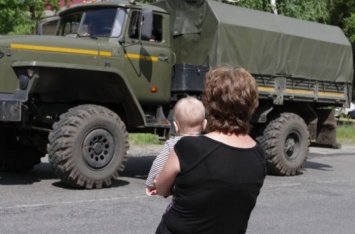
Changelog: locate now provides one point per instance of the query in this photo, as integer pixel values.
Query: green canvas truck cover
(213, 33)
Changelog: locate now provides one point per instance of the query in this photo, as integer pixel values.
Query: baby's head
(189, 116)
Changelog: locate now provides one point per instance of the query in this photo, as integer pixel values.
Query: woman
(216, 178)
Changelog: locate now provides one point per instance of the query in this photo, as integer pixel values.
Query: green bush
(346, 132)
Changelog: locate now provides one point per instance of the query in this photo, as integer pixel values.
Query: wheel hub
(98, 148)
(291, 147)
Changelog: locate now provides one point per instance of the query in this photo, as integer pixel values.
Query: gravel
(144, 150)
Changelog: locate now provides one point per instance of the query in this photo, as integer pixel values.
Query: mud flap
(10, 111)
(326, 128)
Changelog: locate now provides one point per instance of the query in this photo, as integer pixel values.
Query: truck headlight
(23, 80)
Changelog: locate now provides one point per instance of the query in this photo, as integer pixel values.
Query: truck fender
(130, 103)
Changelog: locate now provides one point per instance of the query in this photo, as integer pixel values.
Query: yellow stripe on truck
(303, 91)
(320, 93)
(60, 49)
(331, 94)
(299, 91)
(79, 51)
(142, 57)
(267, 89)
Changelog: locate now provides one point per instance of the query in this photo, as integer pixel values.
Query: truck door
(148, 62)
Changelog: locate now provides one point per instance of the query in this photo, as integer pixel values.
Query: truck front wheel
(88, 146)
(285, 141)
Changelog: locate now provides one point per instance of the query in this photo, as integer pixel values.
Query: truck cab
(108, 66)
(141, 52)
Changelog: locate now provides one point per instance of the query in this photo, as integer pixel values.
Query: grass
(346, 132)
(345, 135)
(144, 139)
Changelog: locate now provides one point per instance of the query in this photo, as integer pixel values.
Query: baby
(189, 120)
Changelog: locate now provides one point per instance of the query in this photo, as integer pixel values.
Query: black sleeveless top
(217, 187)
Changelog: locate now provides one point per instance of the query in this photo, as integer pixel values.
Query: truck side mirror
(121, 41)
(147, 24)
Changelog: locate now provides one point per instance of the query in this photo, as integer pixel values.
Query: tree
(311, 10)
(342, 14)
(22, 16)
(14, 17)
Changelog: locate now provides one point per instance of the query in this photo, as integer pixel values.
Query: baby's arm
(156, 168)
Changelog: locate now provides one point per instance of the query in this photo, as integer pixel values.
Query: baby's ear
(176, 127)
(204, 125)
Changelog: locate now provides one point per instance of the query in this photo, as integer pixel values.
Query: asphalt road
(321, 200)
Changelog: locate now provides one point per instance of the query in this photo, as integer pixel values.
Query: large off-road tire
(88, 147)
(285, 141)
(15, 156)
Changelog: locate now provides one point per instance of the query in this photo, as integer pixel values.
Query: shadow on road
(115, 183)
(42, 171)
(317, 166)
(136, 167)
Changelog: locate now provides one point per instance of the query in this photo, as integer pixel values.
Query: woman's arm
(166, 179)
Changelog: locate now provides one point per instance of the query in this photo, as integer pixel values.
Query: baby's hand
(151, 191)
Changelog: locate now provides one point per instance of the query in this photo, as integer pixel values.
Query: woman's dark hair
(230, 97)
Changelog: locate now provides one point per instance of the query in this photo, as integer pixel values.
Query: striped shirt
(160, 160)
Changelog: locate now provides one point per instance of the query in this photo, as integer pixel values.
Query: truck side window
(117, 27)
(48, 26)
(71, 27)
(157, 34)
(69, 24)
(134, 25)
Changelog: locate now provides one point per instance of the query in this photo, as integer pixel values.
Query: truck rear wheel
(88, 147)
(15, 156)
(285, 141)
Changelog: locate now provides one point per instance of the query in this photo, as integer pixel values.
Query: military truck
(115, 67)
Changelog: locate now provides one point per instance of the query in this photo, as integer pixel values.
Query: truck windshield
(105, 22)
